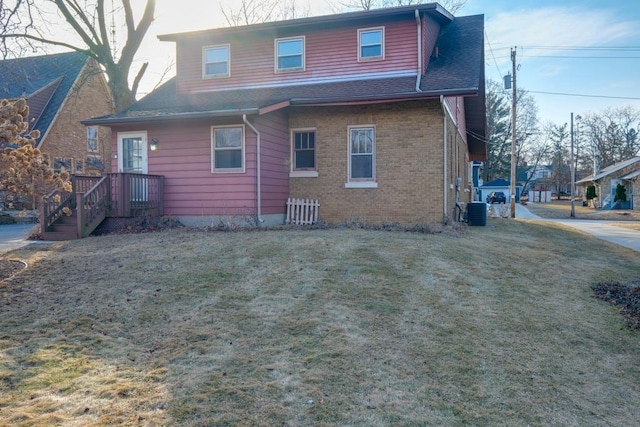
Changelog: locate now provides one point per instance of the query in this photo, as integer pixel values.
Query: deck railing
(135, 194)
(122, 195)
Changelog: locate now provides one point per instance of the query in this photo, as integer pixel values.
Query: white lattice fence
(302, 211)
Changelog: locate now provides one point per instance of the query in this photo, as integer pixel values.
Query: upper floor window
(370, 44)
(227, 149)
(92, 139)
(290, 54)
(215, 61)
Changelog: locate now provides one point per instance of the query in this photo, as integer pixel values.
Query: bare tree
(560, 173)
(453, 6)
(24, 25)
(249, 12)
(612, 134)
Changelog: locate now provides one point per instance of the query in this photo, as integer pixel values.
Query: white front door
(132, 152)
(132, 158)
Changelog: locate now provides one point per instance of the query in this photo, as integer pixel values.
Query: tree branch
(48, 41)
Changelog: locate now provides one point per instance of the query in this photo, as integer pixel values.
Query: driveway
(14, 236)
(603, 230)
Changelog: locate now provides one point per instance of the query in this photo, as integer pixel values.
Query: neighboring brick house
(376, 114)
(61, 90)
(606, 180)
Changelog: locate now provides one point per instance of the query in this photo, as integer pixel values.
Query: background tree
(560, 172)
(611, 134)
(453, 6)
(91, 24)
(248, 12)
(26, 170)
(498, 101)
(498, 133)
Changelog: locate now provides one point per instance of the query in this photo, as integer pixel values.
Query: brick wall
(409, 162)
(67, 137)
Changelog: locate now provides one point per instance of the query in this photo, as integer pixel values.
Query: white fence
(540, 196)
(302, 211)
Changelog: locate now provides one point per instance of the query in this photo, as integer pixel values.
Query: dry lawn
(326, 327)
(562, 209)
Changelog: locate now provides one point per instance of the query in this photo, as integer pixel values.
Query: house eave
(108, 121)
(433, 8)
(394, 97)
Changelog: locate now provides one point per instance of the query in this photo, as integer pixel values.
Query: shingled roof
(45, 81)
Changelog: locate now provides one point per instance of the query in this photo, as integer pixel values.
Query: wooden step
(59, 235)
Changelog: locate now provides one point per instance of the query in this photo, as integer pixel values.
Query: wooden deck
(74, 215)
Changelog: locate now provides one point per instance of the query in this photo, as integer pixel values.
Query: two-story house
(375, 114)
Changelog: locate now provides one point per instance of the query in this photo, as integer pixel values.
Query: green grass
(324, 327)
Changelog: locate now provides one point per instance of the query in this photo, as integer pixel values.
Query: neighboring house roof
(497, 183)
(457, 70)
(632, 175)
(609, 170)
(45, 81)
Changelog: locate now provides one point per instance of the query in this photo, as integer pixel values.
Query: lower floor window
(362, 153)
(304, 150)
(60, 163)
(227, 149)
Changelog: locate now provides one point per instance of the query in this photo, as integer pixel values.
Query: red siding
(184, 158)
(330, 54)
(274, 143)
(456, 106)
(430, 31)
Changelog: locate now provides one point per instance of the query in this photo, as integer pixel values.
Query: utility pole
(573, 174)
(513, 136)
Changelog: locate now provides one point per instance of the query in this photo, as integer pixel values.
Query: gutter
(258, 180)
(445, 170)
(419, 31)
(170, 116)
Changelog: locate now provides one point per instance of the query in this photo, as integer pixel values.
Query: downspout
(258, 183)
(419, 31)
(444, 154)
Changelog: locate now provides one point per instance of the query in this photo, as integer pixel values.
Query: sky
(574, 47)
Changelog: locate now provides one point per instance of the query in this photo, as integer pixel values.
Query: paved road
(603, 230)
(13, 236)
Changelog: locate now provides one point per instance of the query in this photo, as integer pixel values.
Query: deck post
(80, 220)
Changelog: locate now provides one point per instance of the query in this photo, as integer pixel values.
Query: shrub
(621, 194)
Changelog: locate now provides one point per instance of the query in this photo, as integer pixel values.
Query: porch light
(154, 144)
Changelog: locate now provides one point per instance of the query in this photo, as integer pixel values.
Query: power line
(596, 48)
(573, 57)
(492, 55)
(623, 48)
(586, 96)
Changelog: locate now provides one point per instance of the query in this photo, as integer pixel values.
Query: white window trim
(204, 62)
(97, 130)
(382, 46)
(145, 154)
(303, 173)
(304, 55)
(361, 182)
(213, 151)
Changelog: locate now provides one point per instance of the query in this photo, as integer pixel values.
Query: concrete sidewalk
(14, 236)
(604, 230)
